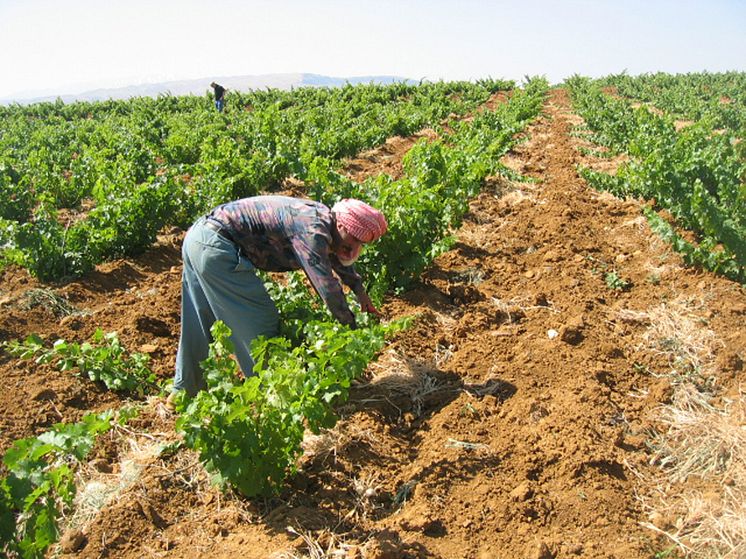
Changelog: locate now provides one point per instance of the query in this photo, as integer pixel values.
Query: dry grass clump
(697, 439)
(331, 442)
(48, 299)
(99, 485)
(708, 443)
(396, 378)
(326, 546)
(676, 332)
(701, 439)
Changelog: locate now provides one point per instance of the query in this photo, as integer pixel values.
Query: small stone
(522, 492)
(148, 348)
(551, 256)
(541, 551)
(72, 541)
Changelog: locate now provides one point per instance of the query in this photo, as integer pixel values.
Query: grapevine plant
(697, 174)
(39, 485)
(143, 164)
(248, 431)
(103, 359)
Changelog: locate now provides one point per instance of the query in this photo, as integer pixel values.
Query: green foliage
(39, 486)
(603, 181)
(718, 97)
(103, 359)
(615, 281)
(146, 163)
(38, 244)
(696, 173)
(705, 253)
(424, 206)
(248, 431)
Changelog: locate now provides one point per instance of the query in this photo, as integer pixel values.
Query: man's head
(357, 223)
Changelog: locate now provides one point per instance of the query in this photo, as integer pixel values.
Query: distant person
(219, 96)
(223, 249)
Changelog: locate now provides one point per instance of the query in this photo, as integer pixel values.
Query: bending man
(273, 233)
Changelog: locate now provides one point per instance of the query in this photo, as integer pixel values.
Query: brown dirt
(384, 159)
(475, 434)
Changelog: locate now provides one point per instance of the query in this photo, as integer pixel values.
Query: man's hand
(366, 305)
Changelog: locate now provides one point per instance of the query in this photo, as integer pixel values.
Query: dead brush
(365, 490)
(470, 276)
(323, 445)
(100, 484)
(443, 353)
(327, 545)
(705, 442)
(492, 386)
(695, 439)
(443, 350)
(331, 442)
(701, 440)
(48, 299)
(515, 309)
(409, 381)
(676, 332)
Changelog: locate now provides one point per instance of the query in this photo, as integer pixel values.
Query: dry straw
(699, 436)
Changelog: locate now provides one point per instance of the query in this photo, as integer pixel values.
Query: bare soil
(511, 421)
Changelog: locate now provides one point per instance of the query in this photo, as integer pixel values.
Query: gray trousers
(218, 283)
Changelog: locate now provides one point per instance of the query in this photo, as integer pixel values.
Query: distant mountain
(202, 85)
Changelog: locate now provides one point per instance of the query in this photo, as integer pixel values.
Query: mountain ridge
(200, 86)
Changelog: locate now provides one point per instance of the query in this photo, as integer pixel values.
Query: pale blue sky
(68, 46)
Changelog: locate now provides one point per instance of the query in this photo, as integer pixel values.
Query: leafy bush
(39, 486)
(103, 359)
(248, 431)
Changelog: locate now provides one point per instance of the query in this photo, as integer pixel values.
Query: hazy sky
(68, 46)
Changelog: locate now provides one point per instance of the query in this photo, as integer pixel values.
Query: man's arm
(313, 257)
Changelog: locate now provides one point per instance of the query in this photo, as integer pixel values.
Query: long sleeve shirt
(219, 92)
(279, 234)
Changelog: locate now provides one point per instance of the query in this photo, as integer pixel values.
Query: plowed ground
(477, 433)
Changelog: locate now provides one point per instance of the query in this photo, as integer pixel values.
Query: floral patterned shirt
(279, 234)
